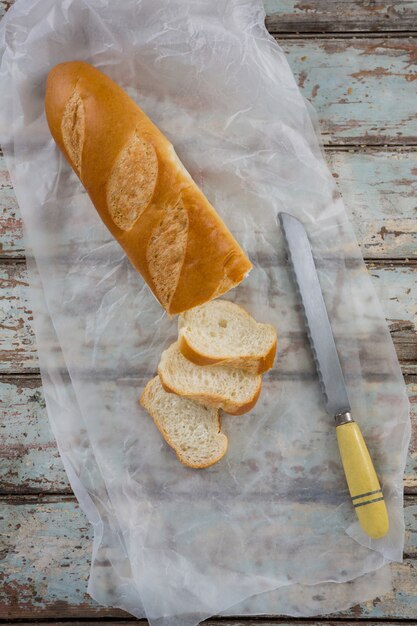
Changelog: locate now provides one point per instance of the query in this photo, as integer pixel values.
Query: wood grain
(17, 341)
(330, 16)
(396, 286)
(46, 557)
(324, 16)
(29, 459)
(11, 227)
(222, 621)
(379, 189)
(5, 6)
(363, 90)
(354, 85)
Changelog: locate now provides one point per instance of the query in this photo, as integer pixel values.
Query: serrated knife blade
(365, 490)
(317, 321)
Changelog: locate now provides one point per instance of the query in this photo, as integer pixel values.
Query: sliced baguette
(231, 389)
(191, 429)
(222, 332)
(142, 192)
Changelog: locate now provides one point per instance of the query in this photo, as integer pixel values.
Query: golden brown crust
(213, 261)
(198, 358)
(249, 363)
(174, 447)
(267, 361)
(245, 408)
(215, 401)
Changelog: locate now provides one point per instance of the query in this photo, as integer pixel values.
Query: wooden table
(356, 61)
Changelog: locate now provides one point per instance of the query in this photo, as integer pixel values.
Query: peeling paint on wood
(46, 552)
(5, 6)
(46, 559)
(364, 89)
(354, 85)
(17, 340)
(379, 190)
(222, 621)
(230, 621)
(324, 16)
(345, 79)
(11, 235)
(396, 287)
(29, 459)
(410, 477)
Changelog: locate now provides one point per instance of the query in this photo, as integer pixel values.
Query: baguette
(233, 390)
(142, 192)
(191, 429)
(221, 332)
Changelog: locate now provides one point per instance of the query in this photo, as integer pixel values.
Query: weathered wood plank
(230, 621)
(324, 16)
(308, 16)
(344, 79)
(29, 459)
(379, 189)
(4, 6)
(17, 340)
(363, 90)
(11, 227)
(410, 475)
(396, 286)
(46, 554)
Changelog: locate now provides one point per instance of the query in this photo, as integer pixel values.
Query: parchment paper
(269, 529)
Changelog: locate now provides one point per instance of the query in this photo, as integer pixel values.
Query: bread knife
(365, 490)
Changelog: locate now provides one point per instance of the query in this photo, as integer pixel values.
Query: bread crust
(163, 432)
(212, 260)
(215, 401)
(253, 364)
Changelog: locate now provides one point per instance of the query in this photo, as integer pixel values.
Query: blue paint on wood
(47, 549)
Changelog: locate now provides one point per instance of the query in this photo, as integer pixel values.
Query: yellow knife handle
(364, 487)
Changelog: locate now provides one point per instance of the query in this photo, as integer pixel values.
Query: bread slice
(222, 332)
(191, 429)
(231, 389)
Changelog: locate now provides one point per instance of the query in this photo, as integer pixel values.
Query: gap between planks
(219, 621)
(315, 20)
(370, 262)
(363, 34)
(359, 146)
(58, 497)
(67, 495)
(244, 620)
(409, 502)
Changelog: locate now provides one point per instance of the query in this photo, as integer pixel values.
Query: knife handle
(364, 487)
